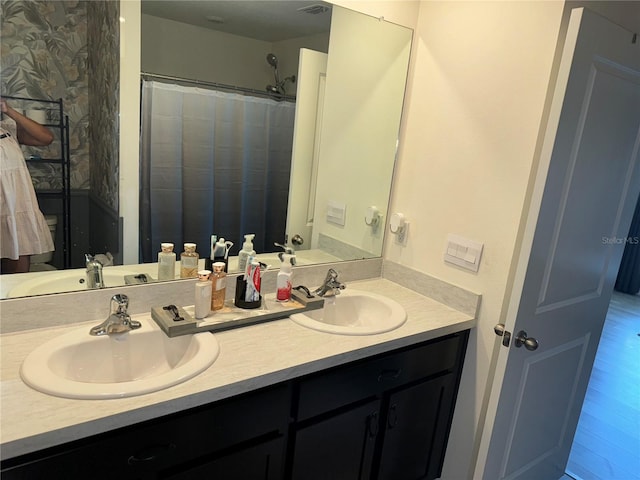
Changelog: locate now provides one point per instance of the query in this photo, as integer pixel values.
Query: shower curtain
(628, 280)
(212, 163)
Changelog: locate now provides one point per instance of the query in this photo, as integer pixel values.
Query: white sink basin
(78, 365)
(354, 312)
(65, 281)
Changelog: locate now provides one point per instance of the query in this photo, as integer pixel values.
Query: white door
(586, 187)
(306, 140)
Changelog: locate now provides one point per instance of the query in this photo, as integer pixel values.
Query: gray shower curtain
(628, 280)
(212, 163)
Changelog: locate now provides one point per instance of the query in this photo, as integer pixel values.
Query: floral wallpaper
(104, 88)
(52, 49)
(44, 56)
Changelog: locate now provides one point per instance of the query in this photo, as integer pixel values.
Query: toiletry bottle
(220, 250)
(254, 277)
(203, 294)
(283, 282)
(166, 262)
(219, 286)
(189, 261)
(246, 252)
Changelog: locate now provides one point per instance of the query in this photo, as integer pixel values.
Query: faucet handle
(119, 304)
(332, 275)
(285, 248)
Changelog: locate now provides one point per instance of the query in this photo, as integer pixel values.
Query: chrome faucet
(119, 320)
(94, 272)
(331, 286)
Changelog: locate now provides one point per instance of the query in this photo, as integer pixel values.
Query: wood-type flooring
(607, 442)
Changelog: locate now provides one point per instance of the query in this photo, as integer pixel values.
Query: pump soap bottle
(203, 295)
(166, 262)
(219, 286)
(246, 252)
(189, 261)
(283, 281)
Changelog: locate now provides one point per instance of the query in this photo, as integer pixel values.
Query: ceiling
(266, 20)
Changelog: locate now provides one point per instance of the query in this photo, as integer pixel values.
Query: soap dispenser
(246, 252)
(283, 281)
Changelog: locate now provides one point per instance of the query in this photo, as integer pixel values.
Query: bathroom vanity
(281, 401)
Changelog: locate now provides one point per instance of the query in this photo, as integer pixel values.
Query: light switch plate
(336, 212)
(463, 252)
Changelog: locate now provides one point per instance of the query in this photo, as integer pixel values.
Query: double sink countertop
(250, 358)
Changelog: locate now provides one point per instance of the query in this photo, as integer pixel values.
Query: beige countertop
(250, 358)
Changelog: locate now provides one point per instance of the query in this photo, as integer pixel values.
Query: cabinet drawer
(343, 385)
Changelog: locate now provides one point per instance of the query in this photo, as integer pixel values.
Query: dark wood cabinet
(415, 430)
(244, 427)
(386, 417)
(263, 461)
(340, 446)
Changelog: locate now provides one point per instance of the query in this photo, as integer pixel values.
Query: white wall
(477, 98)
(473, 113)
(182, 50)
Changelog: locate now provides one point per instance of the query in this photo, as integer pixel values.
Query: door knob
(297, 240)
(501, 332)
(529, 343)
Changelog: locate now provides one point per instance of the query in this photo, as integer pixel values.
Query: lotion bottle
(166, 262)
(189, 261)
(283, 281)
(203, 295)
(219, 286)
(246, 252)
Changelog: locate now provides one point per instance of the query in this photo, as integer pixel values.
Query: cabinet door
(338, 447)
(417, 422)
(259, 462)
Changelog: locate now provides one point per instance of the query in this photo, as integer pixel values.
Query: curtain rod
(215, 85)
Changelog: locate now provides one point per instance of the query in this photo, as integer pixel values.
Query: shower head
(272, 60)
(273, 90)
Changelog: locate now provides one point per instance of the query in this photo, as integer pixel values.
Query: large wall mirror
(335, 77)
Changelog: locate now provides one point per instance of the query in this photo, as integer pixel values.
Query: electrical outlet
(401, 237)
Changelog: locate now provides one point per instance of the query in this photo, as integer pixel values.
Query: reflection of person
(23, 229)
